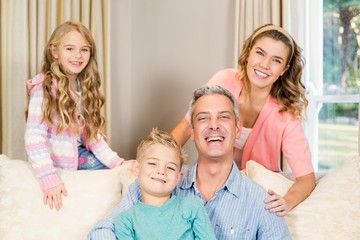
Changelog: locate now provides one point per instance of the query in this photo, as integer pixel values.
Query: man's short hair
(211, 90)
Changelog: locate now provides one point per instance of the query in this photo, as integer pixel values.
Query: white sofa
(332, 211)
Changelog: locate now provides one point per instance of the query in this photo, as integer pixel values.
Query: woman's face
(267, 61)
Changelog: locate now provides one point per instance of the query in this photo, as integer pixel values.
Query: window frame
(313, 78)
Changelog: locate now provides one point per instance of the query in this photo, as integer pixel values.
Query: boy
(159, 214)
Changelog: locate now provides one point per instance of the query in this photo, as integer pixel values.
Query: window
(335, 98)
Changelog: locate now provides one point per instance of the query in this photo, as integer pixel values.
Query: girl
(64, 118)
(272, 100)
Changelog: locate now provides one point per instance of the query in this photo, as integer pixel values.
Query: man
(235, 204)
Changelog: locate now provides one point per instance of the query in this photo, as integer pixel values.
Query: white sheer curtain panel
(25, 28)
(252, 14)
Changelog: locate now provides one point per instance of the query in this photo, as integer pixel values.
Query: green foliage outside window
(341, 47)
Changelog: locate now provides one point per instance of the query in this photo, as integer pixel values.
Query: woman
(272, 102)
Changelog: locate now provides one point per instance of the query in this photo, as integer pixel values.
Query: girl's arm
(104, 153)
(36, 138)
(182, 132)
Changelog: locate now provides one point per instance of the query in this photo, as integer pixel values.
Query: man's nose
(214, 123)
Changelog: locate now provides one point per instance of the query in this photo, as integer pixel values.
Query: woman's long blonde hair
(61, 105)
(288, 89)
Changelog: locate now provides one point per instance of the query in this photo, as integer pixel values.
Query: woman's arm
(182, 132)
(297, 193)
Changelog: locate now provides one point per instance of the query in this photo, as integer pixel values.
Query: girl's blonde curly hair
(61, 105)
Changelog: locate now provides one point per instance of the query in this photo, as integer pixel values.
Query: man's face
(214, 128)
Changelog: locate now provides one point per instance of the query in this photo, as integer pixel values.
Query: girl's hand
(276, 204)
(53, 197)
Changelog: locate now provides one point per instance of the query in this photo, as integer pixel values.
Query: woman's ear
(285, 69)
(54, 51)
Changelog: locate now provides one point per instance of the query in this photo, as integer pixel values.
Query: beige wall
(161, 51)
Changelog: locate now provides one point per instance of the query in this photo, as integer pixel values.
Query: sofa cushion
(332, 211)
(91, 195)
(268, 179)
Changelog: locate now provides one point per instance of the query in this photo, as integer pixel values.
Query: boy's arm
(202, 226)
(124, 228)
(104, 229)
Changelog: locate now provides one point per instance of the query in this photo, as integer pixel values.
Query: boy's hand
(53, 198)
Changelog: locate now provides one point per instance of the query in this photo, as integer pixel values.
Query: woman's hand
(53, 198)
(276, 204)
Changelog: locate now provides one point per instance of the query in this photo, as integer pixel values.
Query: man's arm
(104, 229)
(272, 227)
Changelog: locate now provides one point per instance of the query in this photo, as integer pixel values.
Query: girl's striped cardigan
(48, 150)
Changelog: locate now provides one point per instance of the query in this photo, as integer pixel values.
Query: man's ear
(135, 168)
(192, 133)
(238, 129)
(54, 52)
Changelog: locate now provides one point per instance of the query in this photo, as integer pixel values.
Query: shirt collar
(232, 184)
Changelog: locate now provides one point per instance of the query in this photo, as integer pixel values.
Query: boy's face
(159, 170)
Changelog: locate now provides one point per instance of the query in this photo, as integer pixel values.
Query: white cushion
(332, 211)
(268, 179)
(91, 195)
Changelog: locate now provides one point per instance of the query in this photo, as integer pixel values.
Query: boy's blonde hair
(163, 138)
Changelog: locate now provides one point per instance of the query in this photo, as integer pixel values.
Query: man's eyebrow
(227, 111)
(220, 112)
(201, 113)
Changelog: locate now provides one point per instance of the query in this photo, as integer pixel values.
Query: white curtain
(26, 25)
(252, 14)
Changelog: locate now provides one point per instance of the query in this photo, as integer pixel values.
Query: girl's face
(267, 61)
(73, 53)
